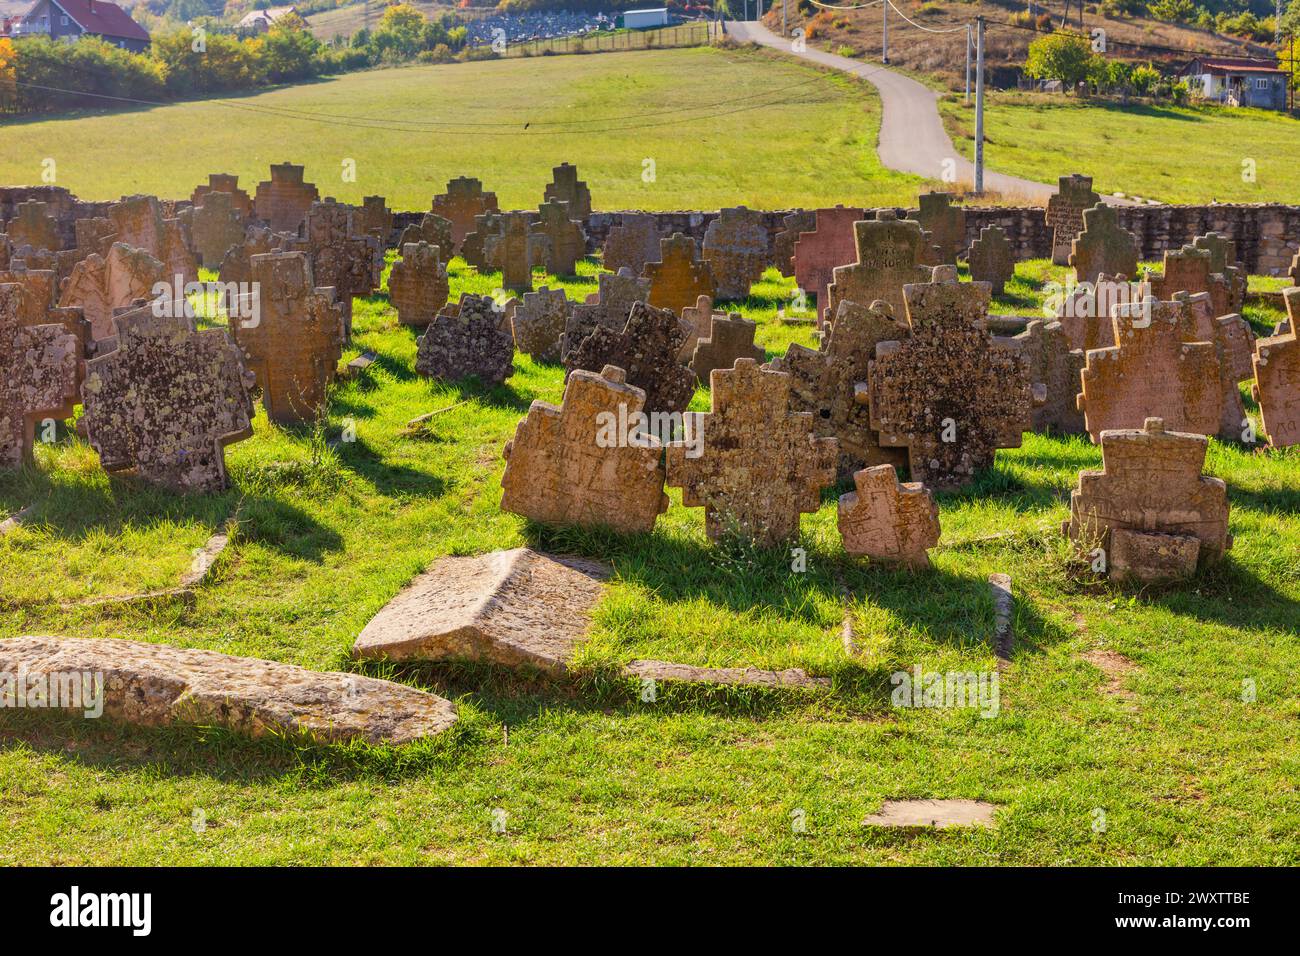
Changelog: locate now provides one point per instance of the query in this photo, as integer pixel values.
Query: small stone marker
(100, 285)
(284, 200)
(32, 225)
(1151, 372)
(565, 240)
(224, 183)
(1055, 366)
(417, 284)
(819, 252)
(730, 337)
(513, 251)
(214, 228)
(1065, 214)
(565, 186)
(646, 349)
(166, 401)
(294, 347)
(517, 607)
(609, 308)
(889, 254)
(792, 678)
(887, 521)
(374, 218)
(434, 230)
(482, 247)
(632, 243)
(463, 200)
(1277, 379)
(475, 340)
(1150, 510)
(946, 224)
(991, 259)
(761, 466)
(735, 247)
(678, 279)
(587, 462)
(792, 225)
(154, 685)
(1004, 615)
(1103, 246)
(539, 321)
(38, 377)
(939, 814)
(1085, 312)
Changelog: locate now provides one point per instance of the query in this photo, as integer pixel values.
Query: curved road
(912, 138)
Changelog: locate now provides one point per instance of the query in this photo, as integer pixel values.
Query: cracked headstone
(1064, 214)
(735, 247)
(1277, 379)
(215, 227)
(463, 200)
(475, 340)
(678, 279)
(565, 186)
(632, 243)
(433, 229)
(792, 225)
(539, 321)
(1054, 369)
(991, 259)
(889, 251)
(1104, 246)
(820, 251)
(646, 348)
(888, 521)
(38, 377)
(730, 337)
(608, 308)
(945, 223)
(565, 240)
(417, 284)
(141, 223)
(100, 285)
(284, 200)
(224, 183)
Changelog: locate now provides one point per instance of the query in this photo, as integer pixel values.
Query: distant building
(643, 19)
(259, 21)
(1237, 81)
(70, 19)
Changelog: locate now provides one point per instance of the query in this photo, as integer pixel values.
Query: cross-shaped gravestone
(539, 322)
(284, 200)
(1065, 214)
(731, 337)
(140, 222)
(1103, 246)
(889, 252)
(166, 401)
(678, 279)
(32, 225)
(38, 288)
(417, 284)
(887, 521)
(236, 266)
(566, 242)
(1054, 370)
(565, 186)
(480, 248)
(1151, 372)
(434, 230)
(735, 247)
(761, 465)
(646, 348)
(474, 340)
(1277, 379)
(818, 252)
(831, 383)
(99, 285)
(1200, 325)
(632, 243)
(991, 258)
(341, 258)
(463, 200)
(1223, 261)
(946, 224)
(700, 319)
(215, 227)
(294, 342)
(224, 183)
(792, 226)
(610, 307)
(516, 263)
(1187, 270)
(375, 219)
(948, 391)
(38, 377)
(1084, 310)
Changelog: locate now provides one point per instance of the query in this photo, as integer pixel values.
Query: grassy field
(721, 127)
(1185, 771)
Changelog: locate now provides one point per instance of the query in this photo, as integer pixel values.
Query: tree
(1063, 57)
(8, 74)
(401, 33)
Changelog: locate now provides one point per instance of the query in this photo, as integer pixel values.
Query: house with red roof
(69, 19)
(1237, 81)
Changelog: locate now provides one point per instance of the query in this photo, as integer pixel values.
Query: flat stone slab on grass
(743, 676)
(940, 814)
(516, 607)
(155, 684)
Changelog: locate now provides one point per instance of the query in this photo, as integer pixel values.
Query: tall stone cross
(735, 247)
(38, 377)
(566, 242)
(1064, 214)
(283, 200)
(516, 263)
(565, 186)
(817, 253)
(889, 255)
(1103, 246)
(946, 224)
(463, 200)
(678, 279)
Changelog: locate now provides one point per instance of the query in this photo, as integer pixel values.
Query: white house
(1237, 81)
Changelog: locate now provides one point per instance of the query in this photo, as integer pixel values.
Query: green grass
(813, 143)
(1175, 155)
(1186, 772)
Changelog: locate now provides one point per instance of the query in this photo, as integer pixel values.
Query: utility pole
(785, 27)
(968, 46)
(979, 106)
(884, 32)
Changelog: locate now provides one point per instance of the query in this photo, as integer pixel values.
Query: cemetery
(365, 528)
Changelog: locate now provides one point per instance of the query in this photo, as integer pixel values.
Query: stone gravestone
(417, 284)
(38, 377)
(830, 383)
(539, 322)
(474, 341)
(946, 224)
(432, 229)
(284, 200)
(1294, 271)
(166, 401)
(341, 258)
(1189, 270)
(1104, 246)
(632, 243)
(678, 279)
(236, 266)
(792, 225)
(565, 186)
(889, 252)
(99, 285)
(1200, 325)
(730, 337)
(480, 248)
(1223, 262)
(735, 247)
(586, 463)
(761, 466)
(887, 521)
(514, 251)
(646, 349)
(1084, 311)
(375, 219)
(1054, 368)
(565, 240)
(224, 183)
(32, 225)
(294, 346)
(1150, 510)
(827, 246)
(214, 228)
(1152, 372)
(1277, 379)
(948, 391)
(141, 222)
(609, 308)
(37, 292)
(991, 259)
(463, 200)
(699, 318)
(1065, 214)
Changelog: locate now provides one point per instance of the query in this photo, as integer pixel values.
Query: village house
(260, 21)
(1237, 81)
(70, 19)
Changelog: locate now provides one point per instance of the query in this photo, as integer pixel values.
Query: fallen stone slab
(1004, 609)
(154, 685)
(516, 607)
(940, 814)
(354, 368)
(15, 520)
(206, 557)
(792, 677)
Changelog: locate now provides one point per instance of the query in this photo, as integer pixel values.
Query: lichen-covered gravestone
(215, 227)
(417, 284)
(1277, 379)
(1103, 246)
(991, 259)
(167, 401)
(632, 243)
(99, 285)
(539, 321)
(735, 247)
(463, 200)
(476, 340)
(236, 265)
(516, 262)
(284, 200)
(565, 186)
(374, 218)
(946, 224)
(889, 253)
(1189, 269)
(1150, 510)
(792, 225)
(481, 247)
(586, 463)
(699, 318)
(39, 288)
(224, 183)
(678, 279)
(32, 225)
(141, 223)
(1064, 214)
(761, 465)
(38, 377)
(1228, 333)
(948, 391)
(1223, 262)
(434, 230)
(342, 258)
(818, 252)
(1055, 367)
(887, 521)
(646, 349)
(610, 307)
(565, 241)
(730, 337)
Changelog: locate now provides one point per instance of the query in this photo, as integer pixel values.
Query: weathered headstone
(761, 465)
(678, 279)
(611, 306)
(1104, 246)
(1084, 310)
(946, 224)
(374, 218)
(730, 337)
(1189, 269)
(236, 265)
(735, 247)
(565, 186)
(38, 377)
(1054, 369)
(646, 349)
(1223, 262)
(516, 262)
(828, 245)
(539, 321)
(991, 259)
(565, 240)
(434, 230)
(792, 225)
(887, 521)
(889, 252)
(417, 284)
(1200, 325)
(343, 259)
(587, 462)
(481, 247)
(38, 290)
(215, 227)
(1065, 214)
(474, 341)
(284, 200)
(224, 183)
(632, 243)
(142, 223)
(1277, 379)
(463, 200)
(32, 225)
(699, 318)
(99, 285)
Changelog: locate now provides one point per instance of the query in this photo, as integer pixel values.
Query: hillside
(345, 21)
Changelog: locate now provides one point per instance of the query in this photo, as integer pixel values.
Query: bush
(1063, 57)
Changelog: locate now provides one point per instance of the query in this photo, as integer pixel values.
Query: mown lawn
(718, 127)
(1183, 768)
